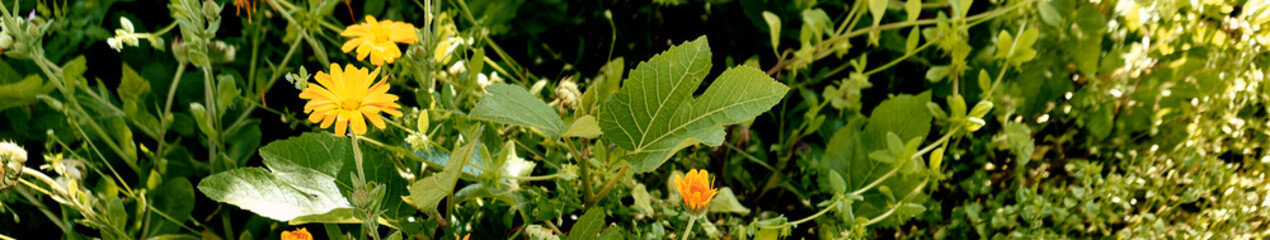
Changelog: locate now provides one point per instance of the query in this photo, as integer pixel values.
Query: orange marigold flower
(298, 234)
(697, 189)
(378, 39)
(348, 95)
(465, 237)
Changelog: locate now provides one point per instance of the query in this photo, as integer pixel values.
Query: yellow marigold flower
(696, 188)
(346, 96)
(298, 234)
(378, 39)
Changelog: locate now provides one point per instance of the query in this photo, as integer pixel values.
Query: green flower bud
(6, 41)
(211, 10)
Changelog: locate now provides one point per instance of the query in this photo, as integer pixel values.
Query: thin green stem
(584, 165)
(609, 186)
(687, 231)
(357, 159)
(812, 217)
(896, 169)
(209, 97)
(533, 178)
(80, 129)
(888, 213)
(43, 208)
(901, 58)
(273, 78)
(164, 30)
(748, 156)
(1000, 75)
(167, 110)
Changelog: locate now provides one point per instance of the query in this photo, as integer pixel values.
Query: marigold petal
(363, 50)
(327, 119)
(351, 44)
(373, 116)
(358, 123)
(341, 126)
(317, 116)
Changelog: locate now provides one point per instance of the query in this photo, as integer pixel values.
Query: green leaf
(957, 104)
(836, 183)
(938, 73)
(877, 8)
(1019, 137)
(1005, 45)
(911, 209)
(280, 196)
(936, 111)
(1023, 51)
(914, 9)
(913, 38)
(936, 158)
(316, 160)
(613, 233)
(883, 156)
(427, 193)
(725, 202)
(1099, 122)
(816, 23)
(981, 109)
(605, 84)
(985, 81)
(176, 199)
(1049, 15)
(338, 216)
(511, 104)
(23, 92)
(643, 201)
(849, 150)
(132, 86)
(584, 127)
(226, 91)
(588, 226)
(74, 70)
(773, 28)
(655, 115)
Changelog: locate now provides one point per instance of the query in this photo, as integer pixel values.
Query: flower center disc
(351, 104)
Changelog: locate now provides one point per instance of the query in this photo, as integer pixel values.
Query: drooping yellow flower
(347, 95)
(298, 234)
(697, 189)
(378, 39)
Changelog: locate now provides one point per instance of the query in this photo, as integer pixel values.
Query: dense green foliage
(561, 119)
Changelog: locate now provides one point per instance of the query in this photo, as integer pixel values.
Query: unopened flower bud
(12, 159)
(361, 198)
(211, 10)
(6, 41)
(126, 24)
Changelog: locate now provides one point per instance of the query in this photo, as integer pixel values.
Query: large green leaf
(654, 114)
(333, 156)
(303, 166)
(427, 193)
(510, 104)
(588, 226)
(848, 152)
(23, 92)
(278, 196)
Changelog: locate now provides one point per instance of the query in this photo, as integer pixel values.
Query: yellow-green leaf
(654, 114)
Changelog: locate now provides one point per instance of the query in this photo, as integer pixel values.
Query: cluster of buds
(12, 160)
(19, 34)
(125, 35)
